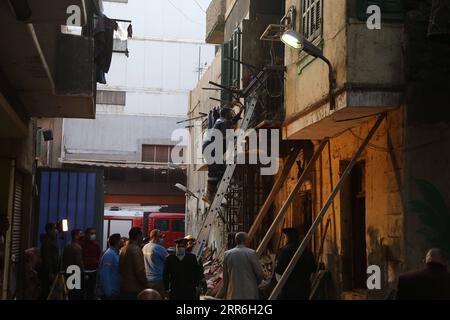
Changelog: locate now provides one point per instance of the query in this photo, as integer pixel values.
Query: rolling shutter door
(16, 236)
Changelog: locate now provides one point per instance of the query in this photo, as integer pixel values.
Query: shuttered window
(226, 70)
(156, 153)
(16, 236)
(391, 10)
(312, 19)
(236, 54)
(231, 69)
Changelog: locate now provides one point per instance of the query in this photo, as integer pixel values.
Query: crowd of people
(134, 269)
(129, 269)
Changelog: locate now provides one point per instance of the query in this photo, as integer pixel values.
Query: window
(162, 225)
(231, 68)
(312, 19)
(156, 153)
(117, 98)
(178, 225)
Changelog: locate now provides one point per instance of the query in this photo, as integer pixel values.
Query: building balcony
(367, 65)
(46, 73)
(215, 22)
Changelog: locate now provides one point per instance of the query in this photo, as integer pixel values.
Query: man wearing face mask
(182, 273)
(154, 258)
(91, 256)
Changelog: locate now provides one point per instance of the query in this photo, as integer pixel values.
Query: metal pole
(262, 247)
(276, 187)
(311, 231)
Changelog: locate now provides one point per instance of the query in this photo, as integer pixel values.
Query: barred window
(312, 18)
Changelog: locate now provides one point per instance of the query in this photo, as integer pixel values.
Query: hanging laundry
(130, 31)
(104, 40)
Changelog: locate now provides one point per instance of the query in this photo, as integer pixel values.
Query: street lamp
(299, 42)
(188, 192)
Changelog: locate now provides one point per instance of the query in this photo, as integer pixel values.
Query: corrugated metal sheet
(76, 195)
(129, 165)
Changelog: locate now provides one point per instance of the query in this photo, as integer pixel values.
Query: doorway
(353, 228)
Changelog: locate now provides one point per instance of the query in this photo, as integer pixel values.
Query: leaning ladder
(214, 209)
(276, 291)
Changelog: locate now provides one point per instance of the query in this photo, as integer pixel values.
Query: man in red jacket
(91, 257)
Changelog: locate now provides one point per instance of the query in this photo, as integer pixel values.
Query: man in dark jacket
(91, 257)
(72, 256)
(216, 170)
(49, 259)
(182, 273)
(429, 283)
(298, 285)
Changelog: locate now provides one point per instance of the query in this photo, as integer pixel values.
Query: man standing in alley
(432, 282)
(91, 256)
(154, 258)
(72, 256)
(109, 276)
(242, 271)
(131, 266)
(298, 284)
(190, 244)
(49, 259)
(181, 273)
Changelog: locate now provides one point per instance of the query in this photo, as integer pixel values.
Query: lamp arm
(331, 82)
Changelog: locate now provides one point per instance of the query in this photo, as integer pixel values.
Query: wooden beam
(262, 247)
(276, 291)
(275, 189)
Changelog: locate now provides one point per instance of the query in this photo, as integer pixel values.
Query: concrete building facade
(391, 202)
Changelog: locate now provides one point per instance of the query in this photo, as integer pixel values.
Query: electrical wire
(184, 15)
(198, 4)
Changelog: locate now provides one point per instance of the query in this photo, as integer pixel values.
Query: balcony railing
(215, 21)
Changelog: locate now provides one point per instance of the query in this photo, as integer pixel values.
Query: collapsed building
(363, 126)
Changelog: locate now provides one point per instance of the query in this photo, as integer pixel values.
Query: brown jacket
(132, 269)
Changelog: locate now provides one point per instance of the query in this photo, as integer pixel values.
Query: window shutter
(312, 17)
(236, 54)
(226, 68)
(391, 10)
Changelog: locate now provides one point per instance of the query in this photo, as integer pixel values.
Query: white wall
(164, 54)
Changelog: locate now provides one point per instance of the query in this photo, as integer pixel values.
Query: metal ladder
(214, 209)
(250, 94)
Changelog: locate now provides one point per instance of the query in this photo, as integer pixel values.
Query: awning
(125, 165)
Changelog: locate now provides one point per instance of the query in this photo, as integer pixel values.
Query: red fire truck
(171, 224)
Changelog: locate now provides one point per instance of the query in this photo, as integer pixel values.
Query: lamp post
(299, 42)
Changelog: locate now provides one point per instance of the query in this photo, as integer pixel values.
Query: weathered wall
(197, 175)
(384, 197)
